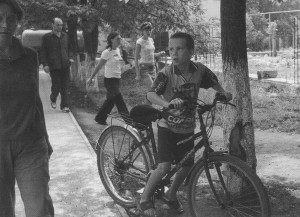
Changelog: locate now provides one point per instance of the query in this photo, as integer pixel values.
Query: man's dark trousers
(60, 82)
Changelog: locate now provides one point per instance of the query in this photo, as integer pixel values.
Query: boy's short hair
(16, 8)
(188, 38)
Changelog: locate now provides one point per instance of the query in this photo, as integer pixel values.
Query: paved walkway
(75, 186)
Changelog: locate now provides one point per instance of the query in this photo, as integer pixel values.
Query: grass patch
(275, 107)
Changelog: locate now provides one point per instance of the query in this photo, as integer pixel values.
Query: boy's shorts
(168, 151)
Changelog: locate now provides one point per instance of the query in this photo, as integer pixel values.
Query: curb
(121, 211)
(86, 141)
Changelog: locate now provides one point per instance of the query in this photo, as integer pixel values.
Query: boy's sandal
(173, 204)
(146, 205)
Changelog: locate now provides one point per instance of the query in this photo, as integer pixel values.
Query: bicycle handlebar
(219, 97)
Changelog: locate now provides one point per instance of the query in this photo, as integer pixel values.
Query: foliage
(124, 16)
(166, 14)
(272, 28)
(284, 21)
(255, 37)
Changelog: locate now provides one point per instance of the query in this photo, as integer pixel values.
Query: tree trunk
(90, 35)
(237, 122)
(90, 65)
(72, 33)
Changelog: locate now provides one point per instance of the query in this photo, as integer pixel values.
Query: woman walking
(145, 56)
(111, 59)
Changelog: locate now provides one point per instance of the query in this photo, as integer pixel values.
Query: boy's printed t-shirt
(171, 84)
(147, 50)
(113, 63)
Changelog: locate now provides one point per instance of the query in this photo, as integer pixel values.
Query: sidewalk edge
(86, 141)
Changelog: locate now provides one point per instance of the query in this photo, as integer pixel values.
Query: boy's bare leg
(154, 179)
(178, 180)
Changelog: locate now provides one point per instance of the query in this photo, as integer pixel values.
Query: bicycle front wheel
(235, 190)
(122, 165)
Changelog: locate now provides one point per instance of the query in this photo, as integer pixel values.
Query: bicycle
(217, 179)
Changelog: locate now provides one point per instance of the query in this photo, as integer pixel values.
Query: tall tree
(238, 122)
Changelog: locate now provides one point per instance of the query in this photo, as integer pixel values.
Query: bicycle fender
(215, 153)
(127, 127)
(134, 132)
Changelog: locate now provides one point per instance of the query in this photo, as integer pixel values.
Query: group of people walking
(24, 145)
(111, 59)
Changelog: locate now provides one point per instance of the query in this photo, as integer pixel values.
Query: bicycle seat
(144, 114)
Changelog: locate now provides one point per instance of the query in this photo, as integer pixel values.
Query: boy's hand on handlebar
(176, 103)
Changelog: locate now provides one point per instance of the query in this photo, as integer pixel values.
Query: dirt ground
(278, 157)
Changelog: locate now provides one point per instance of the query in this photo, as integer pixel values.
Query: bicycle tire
(121, 172)
(241, 194)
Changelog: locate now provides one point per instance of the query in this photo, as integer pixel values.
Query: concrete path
(75, 186)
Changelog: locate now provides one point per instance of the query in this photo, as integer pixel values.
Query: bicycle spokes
(225, 190)
(122, 165)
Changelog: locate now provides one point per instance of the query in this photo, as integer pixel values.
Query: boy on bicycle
(174, 84)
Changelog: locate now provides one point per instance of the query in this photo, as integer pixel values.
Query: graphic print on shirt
(182, 119)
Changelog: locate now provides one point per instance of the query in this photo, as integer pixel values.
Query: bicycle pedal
(161, 191)
(128, 195)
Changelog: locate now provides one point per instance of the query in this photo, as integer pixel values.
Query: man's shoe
(53, 105)
(65, 109)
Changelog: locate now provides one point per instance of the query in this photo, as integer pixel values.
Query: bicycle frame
(204, 142)
(144, 141)
(145, 138)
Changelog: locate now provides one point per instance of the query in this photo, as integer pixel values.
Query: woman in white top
(112, 59)
(144, 56)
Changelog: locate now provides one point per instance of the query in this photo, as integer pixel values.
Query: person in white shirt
(112, 60)
(145, 56)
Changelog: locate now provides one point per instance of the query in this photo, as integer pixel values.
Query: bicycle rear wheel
(122, 165)
(238, 190)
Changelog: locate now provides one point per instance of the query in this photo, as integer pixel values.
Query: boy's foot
(146, 208)
(65, 109)
(53, 105)
(173, 204)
